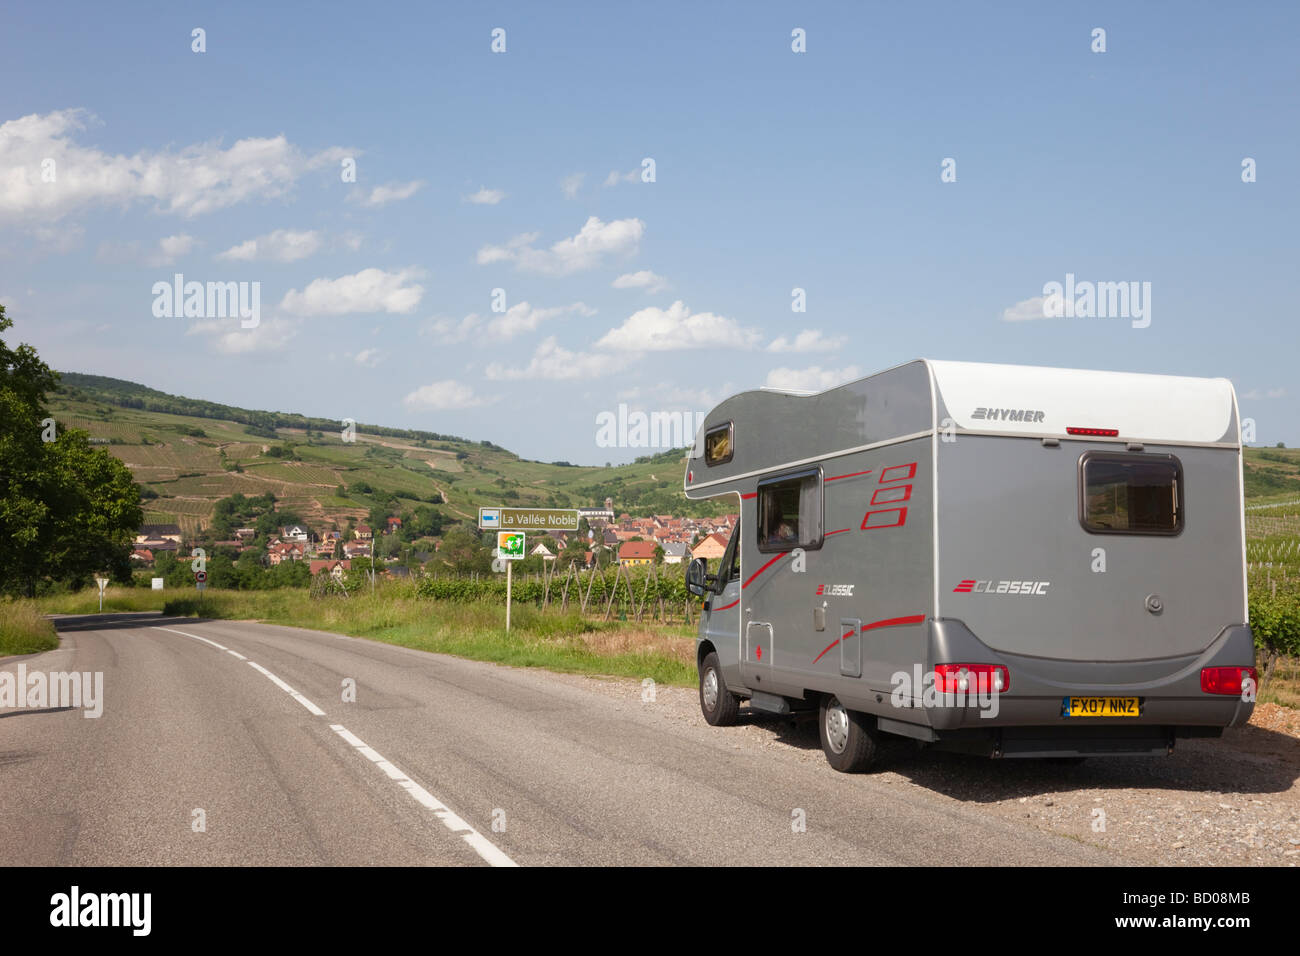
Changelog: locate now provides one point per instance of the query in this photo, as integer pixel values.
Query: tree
(67, 509)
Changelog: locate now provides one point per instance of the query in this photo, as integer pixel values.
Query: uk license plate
(1101, 707)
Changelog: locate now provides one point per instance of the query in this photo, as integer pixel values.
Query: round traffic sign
(200, 576)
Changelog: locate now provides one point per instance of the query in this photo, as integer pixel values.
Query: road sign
(103, 583)
(510, 545)
(200, 576)
(528, 519)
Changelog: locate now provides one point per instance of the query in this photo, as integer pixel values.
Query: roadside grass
(1283, 685)
(116, 599)
(568, 642)
(24, 629)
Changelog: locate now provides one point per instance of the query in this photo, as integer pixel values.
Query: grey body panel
(1007, 509)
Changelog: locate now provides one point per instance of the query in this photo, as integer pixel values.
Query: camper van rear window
(1131, 495)
(718, 445)
(790, 512)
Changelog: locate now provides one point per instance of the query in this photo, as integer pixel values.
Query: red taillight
(971, 678)
(1094, 432)
(1226, 680)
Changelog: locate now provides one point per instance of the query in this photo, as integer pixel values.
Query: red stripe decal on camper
(964, 587)
(728, 607)
(852, 475)
(840, 531)
(888, 622)
(911, 473)
(752, 494)
(764, 568)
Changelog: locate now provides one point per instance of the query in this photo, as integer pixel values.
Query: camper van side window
(1128, 494)
(719, 444)
(790, 512)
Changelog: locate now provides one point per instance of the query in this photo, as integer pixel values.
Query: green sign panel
(510, 544)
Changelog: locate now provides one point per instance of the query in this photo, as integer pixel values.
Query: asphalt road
(438, 761)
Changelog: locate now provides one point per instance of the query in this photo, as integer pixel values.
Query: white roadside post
(510, 548)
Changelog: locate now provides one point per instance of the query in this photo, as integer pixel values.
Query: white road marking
(220, 647)
(287, 689)
(480, 844)
(477, 841)
(258, 667)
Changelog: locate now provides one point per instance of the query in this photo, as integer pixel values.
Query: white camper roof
(1141, 407)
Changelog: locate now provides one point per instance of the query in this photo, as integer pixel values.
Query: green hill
(188, 454)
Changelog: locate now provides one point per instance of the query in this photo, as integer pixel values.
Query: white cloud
(594, 241)
(570, 185)
(449, 331)
(283, 245)
(162, 253)
(659, 330)
(389, 192)
(522, 317)
(370, 290)
(615, 177)
(486, 197)
(1036, 308)
(645, 279)
(553, 363)
(809, 340)
(442, 396)
(1256, 394)
(229, 338)
(189, 181)
(814, 379)
(368, 357)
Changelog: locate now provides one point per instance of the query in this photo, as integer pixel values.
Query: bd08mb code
(1220, 898)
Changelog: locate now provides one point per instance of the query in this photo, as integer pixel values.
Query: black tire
(725, 709)
(849, 739)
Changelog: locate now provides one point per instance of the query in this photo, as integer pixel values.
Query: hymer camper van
(1012, 561)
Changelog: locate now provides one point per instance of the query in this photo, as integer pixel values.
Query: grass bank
(24, 629)
(559, 642)
(396, 615)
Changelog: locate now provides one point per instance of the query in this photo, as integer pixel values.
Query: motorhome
(1004, 560)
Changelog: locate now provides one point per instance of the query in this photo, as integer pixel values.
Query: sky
(500, 221)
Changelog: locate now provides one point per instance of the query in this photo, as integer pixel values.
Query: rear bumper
(1169, 691)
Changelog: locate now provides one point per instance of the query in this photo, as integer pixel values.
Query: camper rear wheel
(720, 706)
(849, 740)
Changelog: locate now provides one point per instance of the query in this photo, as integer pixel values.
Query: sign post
(510, 525)
(200, 582)
(510, 548)
(103, 583)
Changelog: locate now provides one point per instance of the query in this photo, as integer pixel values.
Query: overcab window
(718, 445)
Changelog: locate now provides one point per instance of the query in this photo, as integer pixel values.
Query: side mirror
(695, 577)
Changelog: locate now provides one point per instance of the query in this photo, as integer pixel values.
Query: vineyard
(625, 594)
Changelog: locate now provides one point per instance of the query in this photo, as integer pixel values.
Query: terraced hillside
(188, 454)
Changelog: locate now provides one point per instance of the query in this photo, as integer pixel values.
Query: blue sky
(522, 171)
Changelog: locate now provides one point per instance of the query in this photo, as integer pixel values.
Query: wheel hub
(710, 688)
(837, 726)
